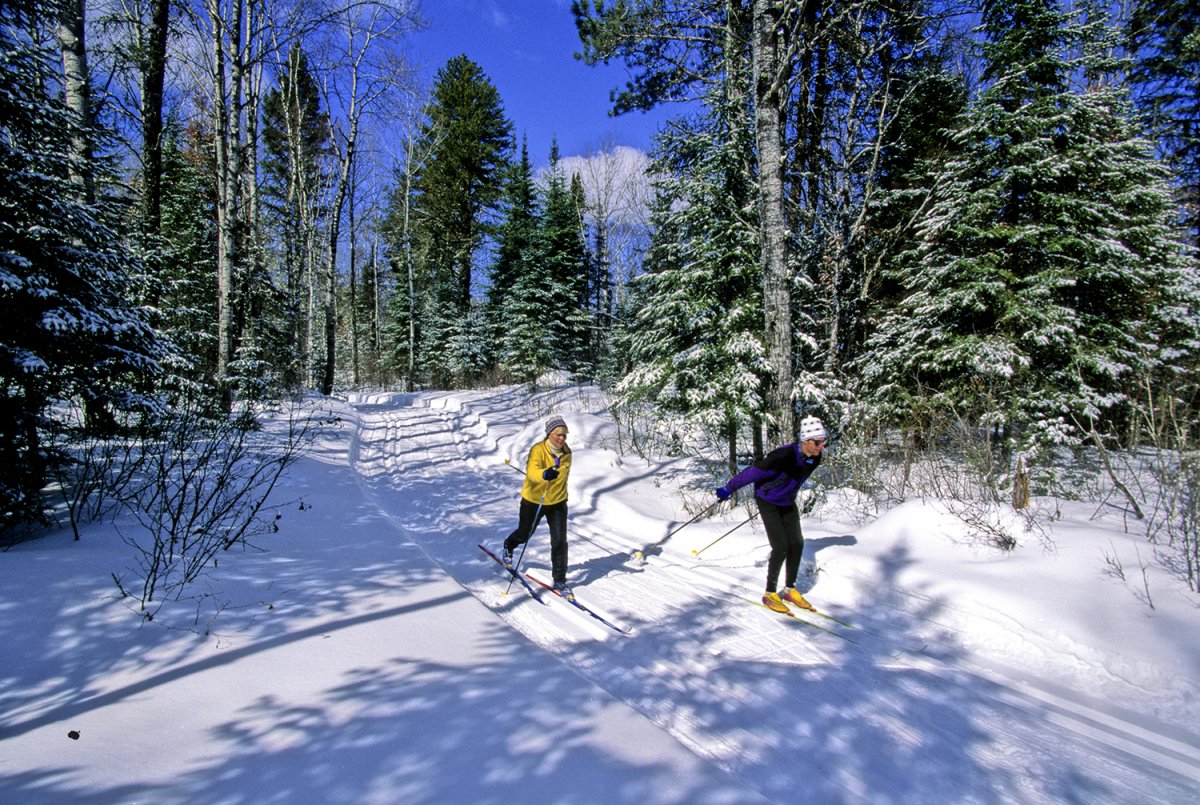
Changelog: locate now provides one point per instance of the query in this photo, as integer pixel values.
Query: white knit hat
(555, 422)
(812, 428)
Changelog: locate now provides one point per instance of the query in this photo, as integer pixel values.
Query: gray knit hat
(555, 422)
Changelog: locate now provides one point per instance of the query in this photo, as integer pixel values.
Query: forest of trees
(904, 216)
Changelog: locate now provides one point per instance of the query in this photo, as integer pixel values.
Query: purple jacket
(778, 475)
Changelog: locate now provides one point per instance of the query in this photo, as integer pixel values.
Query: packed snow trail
(903, 714)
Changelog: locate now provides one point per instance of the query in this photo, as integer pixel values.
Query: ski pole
(532, 528)
(525, 544)
(723, 536)
(641, 554)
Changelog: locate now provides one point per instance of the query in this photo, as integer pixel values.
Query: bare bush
(1174, 522)
(1169, 418)
(203, 489)
(92, 481)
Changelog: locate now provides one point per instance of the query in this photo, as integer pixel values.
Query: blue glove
(550, 474)
(723, 493)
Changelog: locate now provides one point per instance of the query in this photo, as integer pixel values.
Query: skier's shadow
(813, 546)
(825, 542)
(602, 566)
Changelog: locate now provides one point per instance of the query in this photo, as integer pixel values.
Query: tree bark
(228, 151)
(77, 95)
(154, 69)
(769, 79)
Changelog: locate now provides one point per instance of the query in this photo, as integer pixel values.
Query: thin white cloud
(499, 18)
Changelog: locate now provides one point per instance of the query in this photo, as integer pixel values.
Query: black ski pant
(556, 519)
(787, 542)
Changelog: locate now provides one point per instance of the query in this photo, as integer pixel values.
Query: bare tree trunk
(376, 340)
(335, 219)
(327, 377)
(407, 248)
(154, 68)
(251, 74)
(77, 95)
(353, 274)
(769, 78)
(302, 214)
(226, 110)
(78, 98)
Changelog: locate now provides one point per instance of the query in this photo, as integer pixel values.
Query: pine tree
(563, 266)
(188, 231)
(912, 155)
(509, 321)
(467, 140)
(692, 338)
(69, 336)
(1164, 38)
(1046, 252)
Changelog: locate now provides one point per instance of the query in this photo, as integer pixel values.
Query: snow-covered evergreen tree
(69, 338)
(1164, 38)
(188, 233)
(465, 145)
(560, 279)
(511, 320)
(1047, 266)
(692, 336)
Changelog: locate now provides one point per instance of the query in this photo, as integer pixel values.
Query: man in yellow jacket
(545, 495)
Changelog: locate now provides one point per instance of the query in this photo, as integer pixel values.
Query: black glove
(550, 474)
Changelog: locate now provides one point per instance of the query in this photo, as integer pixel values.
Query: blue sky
(526, 48)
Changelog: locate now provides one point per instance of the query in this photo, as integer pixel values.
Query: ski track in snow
(824, 715)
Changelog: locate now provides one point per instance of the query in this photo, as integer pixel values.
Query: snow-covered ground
(373, 654)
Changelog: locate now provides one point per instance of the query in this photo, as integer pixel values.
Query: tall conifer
(1048, 251)
(692, 339)
(467, 141)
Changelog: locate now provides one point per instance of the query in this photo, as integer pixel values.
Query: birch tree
(368, 68)
(295, 178)
(72, 40)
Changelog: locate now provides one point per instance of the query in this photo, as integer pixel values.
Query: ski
(516, 575)
(793, 616)
(834, 618)
(810, 608)
(575, 602)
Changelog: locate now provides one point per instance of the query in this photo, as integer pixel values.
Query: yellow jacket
(540, 458)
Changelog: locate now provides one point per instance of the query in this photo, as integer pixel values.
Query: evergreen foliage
(538, 297)
(467, 141)
(692, 336)
(668, 46)
(1164, 38)
(560, 286)
(188, 311)
(1035, 294)
(69, 339)
(514, 311)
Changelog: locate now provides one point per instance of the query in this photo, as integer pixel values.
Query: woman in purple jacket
(777, 478)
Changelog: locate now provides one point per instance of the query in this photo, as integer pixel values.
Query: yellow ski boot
(773, 601)
(792, 596)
